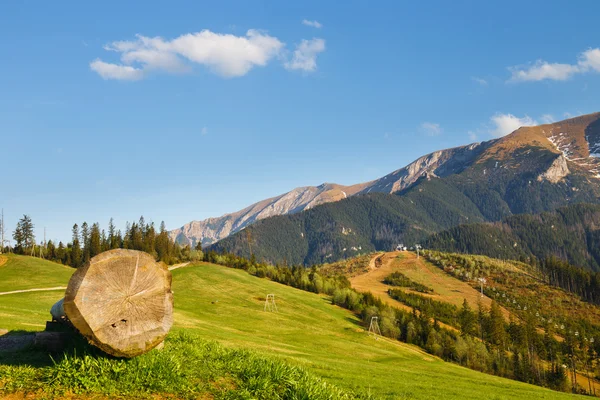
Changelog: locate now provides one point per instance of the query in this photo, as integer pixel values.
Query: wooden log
(53, 342)
(121, 301)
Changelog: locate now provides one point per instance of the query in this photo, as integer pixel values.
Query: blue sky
(183, 110)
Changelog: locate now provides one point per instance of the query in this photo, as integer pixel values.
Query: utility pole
(43, 246)
(482, 281)
(249, 240)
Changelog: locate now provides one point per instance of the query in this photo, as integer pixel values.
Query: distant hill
(571, 233)
(532, 170)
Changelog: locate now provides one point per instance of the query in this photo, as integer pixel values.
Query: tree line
(89, 240)
(576, 280)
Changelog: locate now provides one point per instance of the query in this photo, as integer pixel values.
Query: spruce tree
(23, 234)
(112, 235)
(95, 242)
(85, 241)
(467, 319)
(497, 332)
(75, 248)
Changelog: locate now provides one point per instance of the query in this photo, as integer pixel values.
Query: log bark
(122, 302)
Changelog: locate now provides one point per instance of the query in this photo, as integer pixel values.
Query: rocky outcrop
(440, 163)
(556, 172)
(211, 230)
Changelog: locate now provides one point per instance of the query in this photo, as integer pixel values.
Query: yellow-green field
(226, 305)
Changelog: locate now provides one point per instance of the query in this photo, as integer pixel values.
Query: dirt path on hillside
(372, 281)
(176, 266)
(33, 290)
(445, 287)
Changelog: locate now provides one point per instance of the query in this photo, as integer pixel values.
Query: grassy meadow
(223, 345)
(22, 273)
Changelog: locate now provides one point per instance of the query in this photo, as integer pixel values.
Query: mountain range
(531, 170)
(211, 230)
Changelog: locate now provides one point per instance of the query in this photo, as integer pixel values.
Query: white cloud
(226, 55)
(542, 70)
(314, 24)
(547, 119)
(114, 71)
(204, 131)
(589, 61)
(503, 124)
(305, 55)
(480, 81)
(431, 129)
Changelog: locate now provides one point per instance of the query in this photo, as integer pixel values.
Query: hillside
(527, 172)
(22, 273)
(444, 287)
(222, 304)
(29, 310)
(571, 233)
(356, 225)
(453, 278)
(530, 310)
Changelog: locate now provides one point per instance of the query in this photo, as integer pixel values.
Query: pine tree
(23, 234)
(150, 239)
(497, 331)
(114, 243)
(85, 241)
(137, 238)
(95, 243)
(75, 248)
(467, 319)
(104, 241)
(162, 244)
(127, 244)
(50, 250)
(61, 253)
(142, 227)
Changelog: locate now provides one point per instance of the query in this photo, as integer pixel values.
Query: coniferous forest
(90, 240)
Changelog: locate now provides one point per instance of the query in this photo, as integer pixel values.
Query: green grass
(188, 367)
(27, 311)
(225, 305)
(22, 272)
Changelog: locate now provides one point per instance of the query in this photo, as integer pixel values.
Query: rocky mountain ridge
(570, 146)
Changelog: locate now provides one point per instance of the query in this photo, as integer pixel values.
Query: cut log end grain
(122, 302)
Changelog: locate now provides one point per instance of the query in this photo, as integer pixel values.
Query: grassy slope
(226, 305)
(29, 311)
(22, 272)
